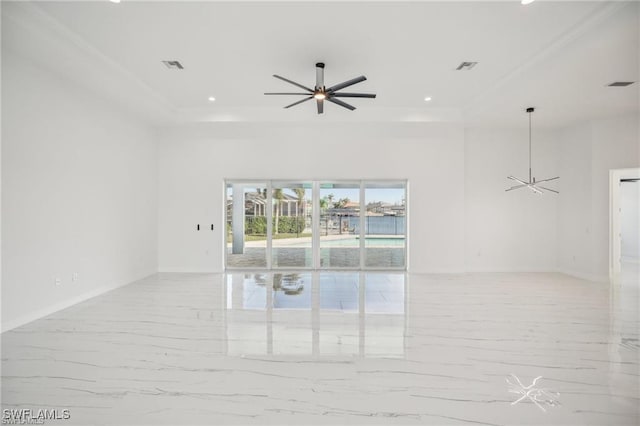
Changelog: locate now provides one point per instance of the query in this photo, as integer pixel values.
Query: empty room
(301, 212)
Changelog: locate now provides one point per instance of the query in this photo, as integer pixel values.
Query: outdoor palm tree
(300, 193)
(278, 195)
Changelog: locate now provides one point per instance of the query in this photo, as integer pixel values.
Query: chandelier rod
(530, 110)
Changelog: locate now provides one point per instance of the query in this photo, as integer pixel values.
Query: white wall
(79, 193)
(515, 230)
(588, 151)
(193, 164)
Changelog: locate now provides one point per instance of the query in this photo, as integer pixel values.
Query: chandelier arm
(518, 180)
(547, 180)
(515, 187)
(534, 189)
(548, 189)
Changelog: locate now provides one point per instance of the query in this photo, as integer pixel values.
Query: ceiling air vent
(173, 65)
(621, 83)
(466, 66)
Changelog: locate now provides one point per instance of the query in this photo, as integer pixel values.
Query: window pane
(292, 234)
(339, 225)
(385, 225)
(247, 225)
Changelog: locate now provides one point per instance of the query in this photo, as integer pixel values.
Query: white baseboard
(510, 269)
(584, 276)
(41, 313)
(189, 271)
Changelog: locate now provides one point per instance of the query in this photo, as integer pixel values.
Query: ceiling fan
(532, 184)
(321, 93)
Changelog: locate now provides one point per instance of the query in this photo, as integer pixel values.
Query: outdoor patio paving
(333, 257)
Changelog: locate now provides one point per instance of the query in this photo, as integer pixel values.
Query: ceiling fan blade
(547, 180)
(320, 106)
(342, 104)
(346, 83)
(293, 82)
(299, 102)
(548, 189)
(354, 95)
(306, 94)
(319, 75)
(515, 187)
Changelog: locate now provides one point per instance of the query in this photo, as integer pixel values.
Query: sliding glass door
(292, 232)
(385, 224)
(339, 226)
(315, 225)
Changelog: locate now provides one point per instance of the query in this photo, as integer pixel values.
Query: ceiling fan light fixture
(320, 96)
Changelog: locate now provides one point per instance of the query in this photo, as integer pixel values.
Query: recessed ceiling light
(427, 99)
(114, 1)
(525, 2)
(212, 99)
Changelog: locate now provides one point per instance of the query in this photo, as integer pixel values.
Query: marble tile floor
(335, 348)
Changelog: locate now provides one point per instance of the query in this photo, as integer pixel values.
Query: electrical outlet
(74, 277)
(58, 281)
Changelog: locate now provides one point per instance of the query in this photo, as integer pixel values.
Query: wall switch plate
(58, 281)
(74, 277)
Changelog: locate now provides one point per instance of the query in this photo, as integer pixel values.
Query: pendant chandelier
(532, 183)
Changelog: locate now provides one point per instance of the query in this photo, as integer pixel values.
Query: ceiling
(557, 56)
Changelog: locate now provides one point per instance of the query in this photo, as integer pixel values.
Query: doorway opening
(304, 224)
(624, 247)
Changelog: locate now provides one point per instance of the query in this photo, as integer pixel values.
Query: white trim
(224, 224)
(269, 215)
(44, 312)
(315, 225)
(514, 269)
(362, 219)
(614, 219)
(584, 276)
(183, 270)
(438, 271)
(407, 234)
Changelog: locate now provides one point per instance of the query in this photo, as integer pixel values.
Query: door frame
(615, 176)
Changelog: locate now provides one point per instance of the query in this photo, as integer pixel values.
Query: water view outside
(385, 218)
(338, 225)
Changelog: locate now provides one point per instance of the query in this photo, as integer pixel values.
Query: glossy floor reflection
(335, 348)
(316, 314)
